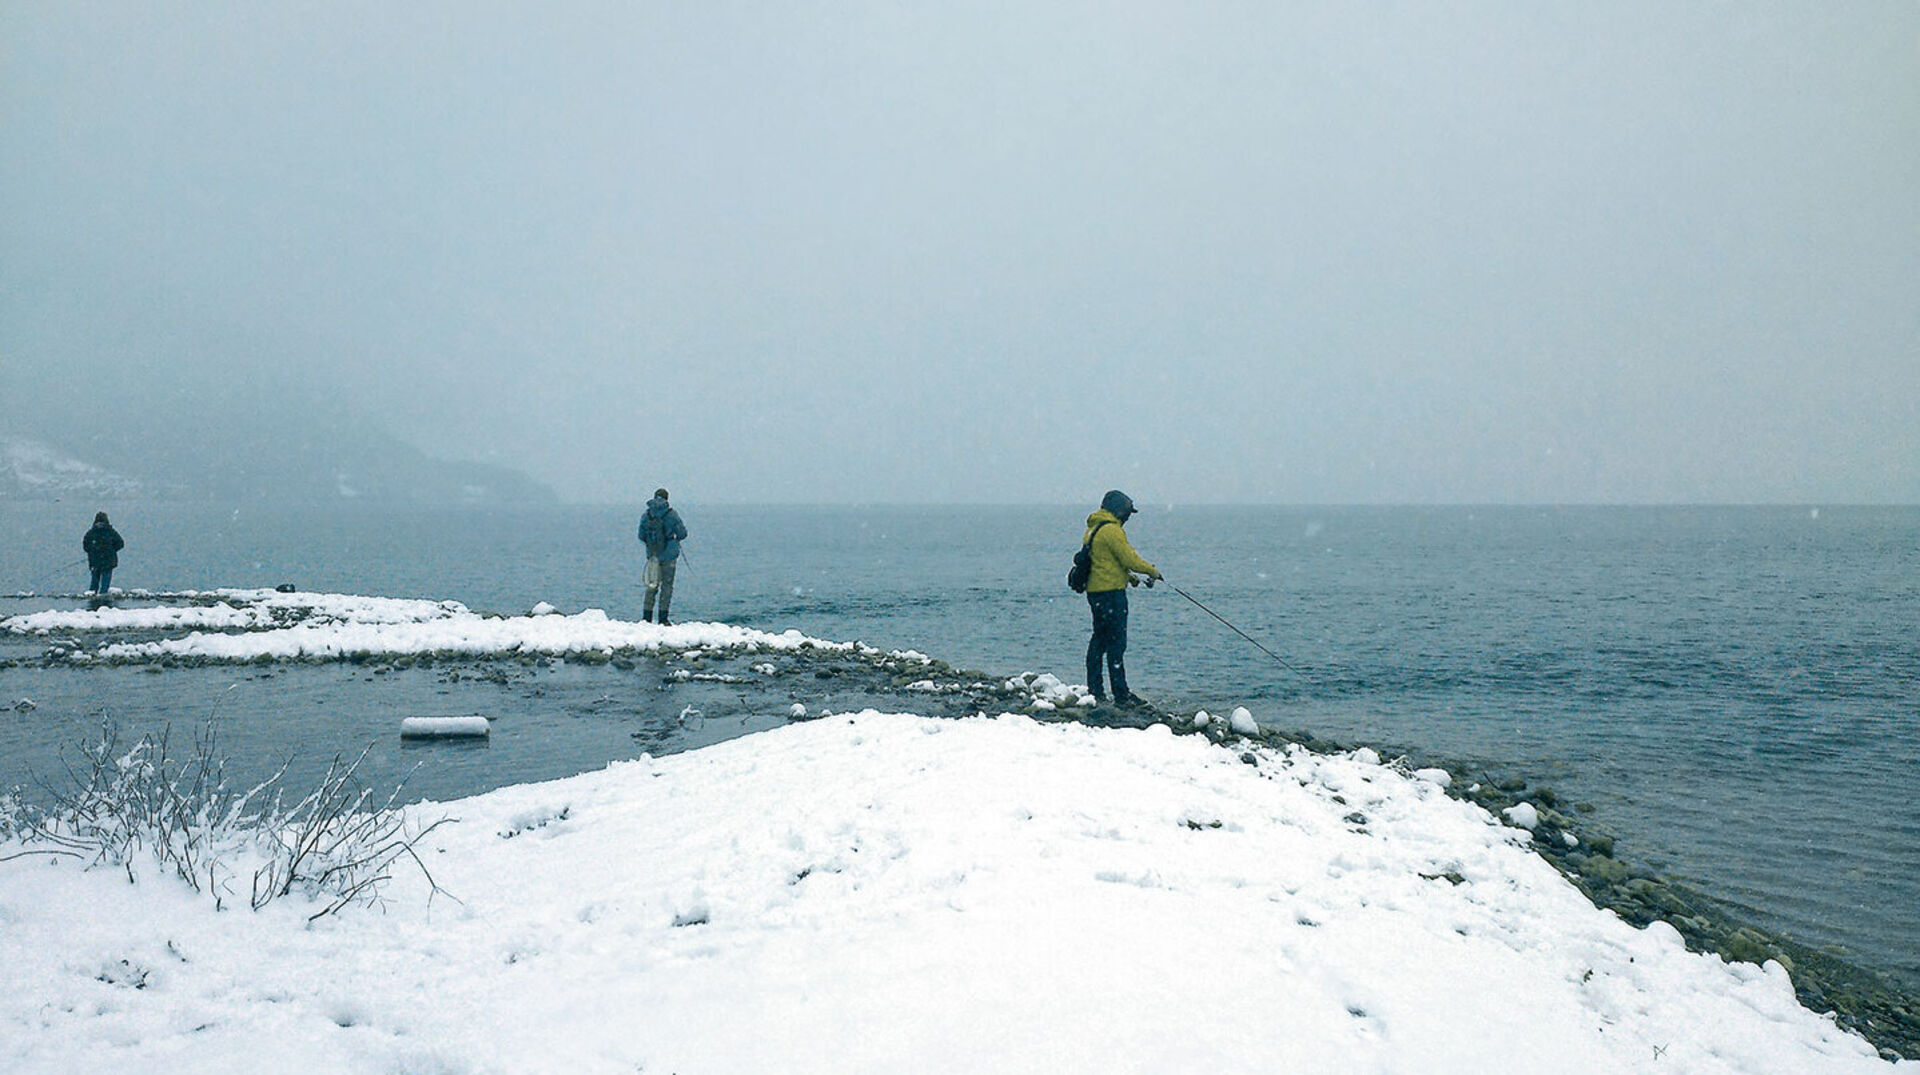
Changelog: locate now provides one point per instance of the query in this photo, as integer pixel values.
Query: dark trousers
(1109, 641)
(659, 585)
(102, 580)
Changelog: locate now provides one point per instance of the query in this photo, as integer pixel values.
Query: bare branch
(330, 844)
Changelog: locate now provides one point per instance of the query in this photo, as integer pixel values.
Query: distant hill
(279, 466)
(144, 399)
(32, 470)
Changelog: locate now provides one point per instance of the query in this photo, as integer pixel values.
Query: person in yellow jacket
(1115, 566)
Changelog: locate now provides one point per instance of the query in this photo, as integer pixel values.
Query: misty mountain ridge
(308, 468)
(235, 442)
(31, 469)
(162, 406)
(153, 402)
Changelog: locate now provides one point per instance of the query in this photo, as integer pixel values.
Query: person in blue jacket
(661, 531)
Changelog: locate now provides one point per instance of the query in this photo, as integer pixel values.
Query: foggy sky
(1008, 252)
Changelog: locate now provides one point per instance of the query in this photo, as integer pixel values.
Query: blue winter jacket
(667, 531)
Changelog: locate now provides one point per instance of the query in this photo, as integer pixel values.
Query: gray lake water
(1736, 690)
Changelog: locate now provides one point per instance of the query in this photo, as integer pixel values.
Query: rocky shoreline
(1563, 834)
(1860, 1000)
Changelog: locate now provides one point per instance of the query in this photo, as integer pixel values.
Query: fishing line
(61, 570)
(1235, 630)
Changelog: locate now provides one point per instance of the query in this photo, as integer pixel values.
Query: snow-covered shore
(892, 893)
(870, 893)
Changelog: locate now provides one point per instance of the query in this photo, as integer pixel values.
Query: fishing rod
(62, 569)
(1235, 630)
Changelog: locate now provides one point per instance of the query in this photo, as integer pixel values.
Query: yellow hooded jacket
(1113, 555)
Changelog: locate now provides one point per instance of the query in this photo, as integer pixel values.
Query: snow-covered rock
(443, 727)
(1525, 815)
(1436, 777)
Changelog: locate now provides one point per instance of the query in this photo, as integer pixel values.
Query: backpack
(1082, 568)
(653, 532)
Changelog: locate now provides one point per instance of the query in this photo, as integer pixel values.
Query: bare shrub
(333, 844)
(331, 847)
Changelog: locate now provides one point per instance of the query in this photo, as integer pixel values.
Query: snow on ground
(888, 893)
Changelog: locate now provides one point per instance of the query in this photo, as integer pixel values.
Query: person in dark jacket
(1115, 567)
(103, 546)
(661, 531)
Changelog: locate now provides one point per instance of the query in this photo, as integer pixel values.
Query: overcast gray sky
(1262, 251)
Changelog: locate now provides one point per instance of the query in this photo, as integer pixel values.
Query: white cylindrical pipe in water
(443, 727)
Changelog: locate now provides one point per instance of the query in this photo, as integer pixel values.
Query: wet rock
(1605, 869)
(1746, 946)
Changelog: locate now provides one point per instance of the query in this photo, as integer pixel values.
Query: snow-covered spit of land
(891, 893)
(248, 625)
(235, 610)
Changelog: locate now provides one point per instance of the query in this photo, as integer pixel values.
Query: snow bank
(468, 635)
(233, 609)
(265, 625)
(890, 894)
(247, 625)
